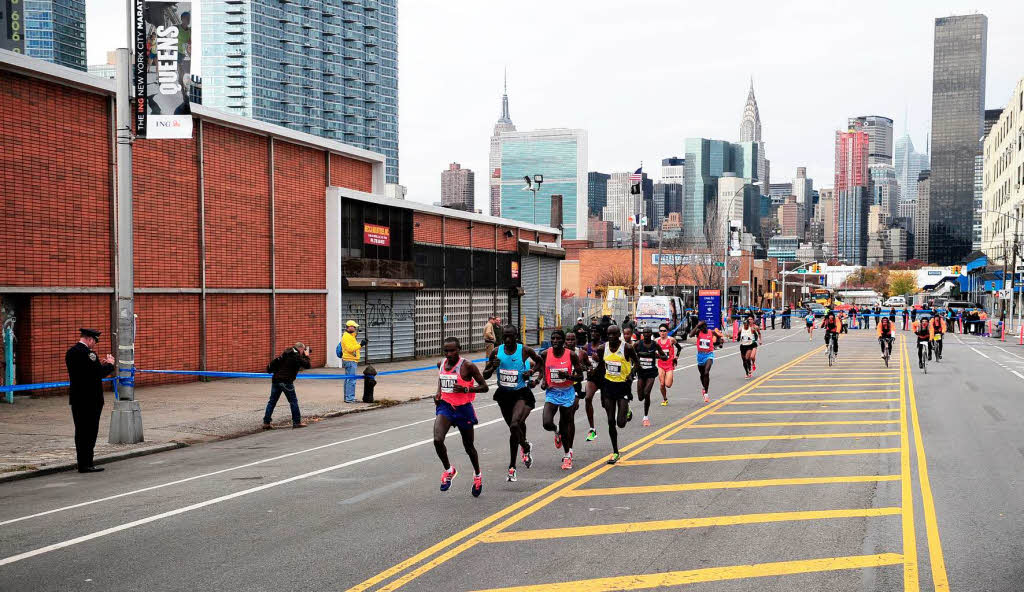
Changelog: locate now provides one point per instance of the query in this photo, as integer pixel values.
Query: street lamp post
(534, 186)
(728, 238)
(1013, 264)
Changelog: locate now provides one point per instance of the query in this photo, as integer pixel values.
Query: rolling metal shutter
(378, 326)
(403, 334)
(428, 322)
(456, 309)
(513, 310)
(483, 307)
(530, 283)
(501, 308)
(547, 297)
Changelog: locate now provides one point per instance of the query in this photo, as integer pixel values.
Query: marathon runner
(809, 319)
(922, 328)
(667, 368)
(629, 337)
(514, 396)
(594, 379)
(615, 360)
(646, 351)
(706, 353)
(559, 371)
(831, 327)
(885, 336)
(749, 335)
(454, 406)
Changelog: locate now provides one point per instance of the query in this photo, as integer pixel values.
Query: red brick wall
(426, 228)
(299, 217)
(166, 336)
(166, 188)
(237, 190)
(456, 232)
(300, 317)
(351, 173)
(238, 332)
(55, 178)
(483, 236)
(507, 243)
(55, 320)
(547, 238)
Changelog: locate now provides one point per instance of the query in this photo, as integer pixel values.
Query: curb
(100, 460)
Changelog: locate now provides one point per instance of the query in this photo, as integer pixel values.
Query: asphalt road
(805, 477)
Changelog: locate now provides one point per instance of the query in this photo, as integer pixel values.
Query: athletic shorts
(745, 348)
(561, 396)
(616, 390)
(507, 398)
(703, 357)
(647, 374)
(666, 365)
(462, 416)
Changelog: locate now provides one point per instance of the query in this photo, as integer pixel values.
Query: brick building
(236, 237)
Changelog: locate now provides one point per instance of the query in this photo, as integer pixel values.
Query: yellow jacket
(350, 348)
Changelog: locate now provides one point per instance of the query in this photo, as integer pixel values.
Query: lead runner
(456, 392)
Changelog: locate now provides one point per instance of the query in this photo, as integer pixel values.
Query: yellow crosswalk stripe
(825, 384)
(780, 437)
(681, 523)
(803, 411)
(806, 401)
(771, 424)
(677, 487)
(768, 394)
(757, 456)
(712, 574)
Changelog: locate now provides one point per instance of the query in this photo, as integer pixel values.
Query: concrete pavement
(804, 477)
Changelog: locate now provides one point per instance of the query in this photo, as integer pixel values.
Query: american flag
(637, 176)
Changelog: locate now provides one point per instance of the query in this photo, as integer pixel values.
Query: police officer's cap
(90, 333)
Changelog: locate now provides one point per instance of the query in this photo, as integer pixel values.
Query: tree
(902, 282)
(614, 276)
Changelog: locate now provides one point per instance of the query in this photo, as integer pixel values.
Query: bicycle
(938, 347)
(887, 342)
(829, 343)
(923, 351)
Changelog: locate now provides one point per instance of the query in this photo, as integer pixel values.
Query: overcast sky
(642, 76)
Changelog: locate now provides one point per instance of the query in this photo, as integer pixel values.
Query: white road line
(979, 353)
(222, 471)
(216, 500)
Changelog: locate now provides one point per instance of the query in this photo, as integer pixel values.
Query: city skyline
(555, 80)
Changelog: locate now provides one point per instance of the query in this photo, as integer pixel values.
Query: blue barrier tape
(41, 385)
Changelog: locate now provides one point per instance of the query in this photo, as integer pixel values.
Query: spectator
(489, 338)
(284, 369)
(350, 350)
(86, 372)
(629, 322)
(581, 331)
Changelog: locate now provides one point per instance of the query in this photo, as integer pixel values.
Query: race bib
(614, 367)
(646, 363)
(508, 378)
(447, 384)
(559, 374)
(705, 344)
(746, 339)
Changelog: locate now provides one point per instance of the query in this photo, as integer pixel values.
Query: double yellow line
(452, 546)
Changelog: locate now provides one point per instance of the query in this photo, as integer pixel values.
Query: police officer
(86, 372)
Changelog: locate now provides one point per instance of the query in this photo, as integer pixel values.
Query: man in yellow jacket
(350, 350)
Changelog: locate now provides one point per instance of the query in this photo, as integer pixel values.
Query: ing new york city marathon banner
(162, 67)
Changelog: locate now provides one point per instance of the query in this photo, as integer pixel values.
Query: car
(896, 301)
(817, 309)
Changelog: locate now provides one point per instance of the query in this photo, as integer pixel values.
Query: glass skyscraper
(55, 31)
(597, 192)
(958, 114)
(561, 156)
(706, 161)
(324, 67)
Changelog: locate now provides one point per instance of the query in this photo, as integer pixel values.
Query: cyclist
(885, 337)
(922, 327)
(809, 319)
(831, 326)
(938, 327)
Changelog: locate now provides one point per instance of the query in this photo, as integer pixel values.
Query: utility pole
(126, 417)
(661, 253)
(632, 254)
(1013, 269)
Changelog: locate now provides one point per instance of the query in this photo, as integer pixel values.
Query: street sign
(1019, 269)
(821, 280)
(735, 253)
(719, 264)
(709, 307)
(1003, 294)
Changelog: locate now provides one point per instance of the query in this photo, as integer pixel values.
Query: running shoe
(511, 475)
(647, 422)
(446, 478)
(629, 414)
(748, 376)
(591, 435)
(706, 398)
(478, 485)
(753, 367)
(558, 440)
(566, 463)
(527, 457)
(664, 403)
(613, 459)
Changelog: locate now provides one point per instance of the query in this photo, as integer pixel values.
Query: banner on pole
(162, 69)
(709, 307)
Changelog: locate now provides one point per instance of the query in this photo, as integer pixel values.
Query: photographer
(284, 369)
(349, 350)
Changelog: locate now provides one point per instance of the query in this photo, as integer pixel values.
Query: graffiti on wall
(379, 312)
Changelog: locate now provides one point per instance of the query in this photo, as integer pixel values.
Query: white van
(896, 301)
(652, 311)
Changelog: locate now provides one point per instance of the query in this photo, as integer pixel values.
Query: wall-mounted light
(509, 234)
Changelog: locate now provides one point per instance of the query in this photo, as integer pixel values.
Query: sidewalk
(36, 433)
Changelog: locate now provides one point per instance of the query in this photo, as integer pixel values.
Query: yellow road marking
(838, 378)
(752, 394)
(761, 455)
(677, 487)
(804, 411)
(711, 574)
(911, 579)
(827, 384)
(851, 375)
(584, 475)
(770, 424)
(653, 525)
(806, 401)
(931, 525)
(781, 437)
